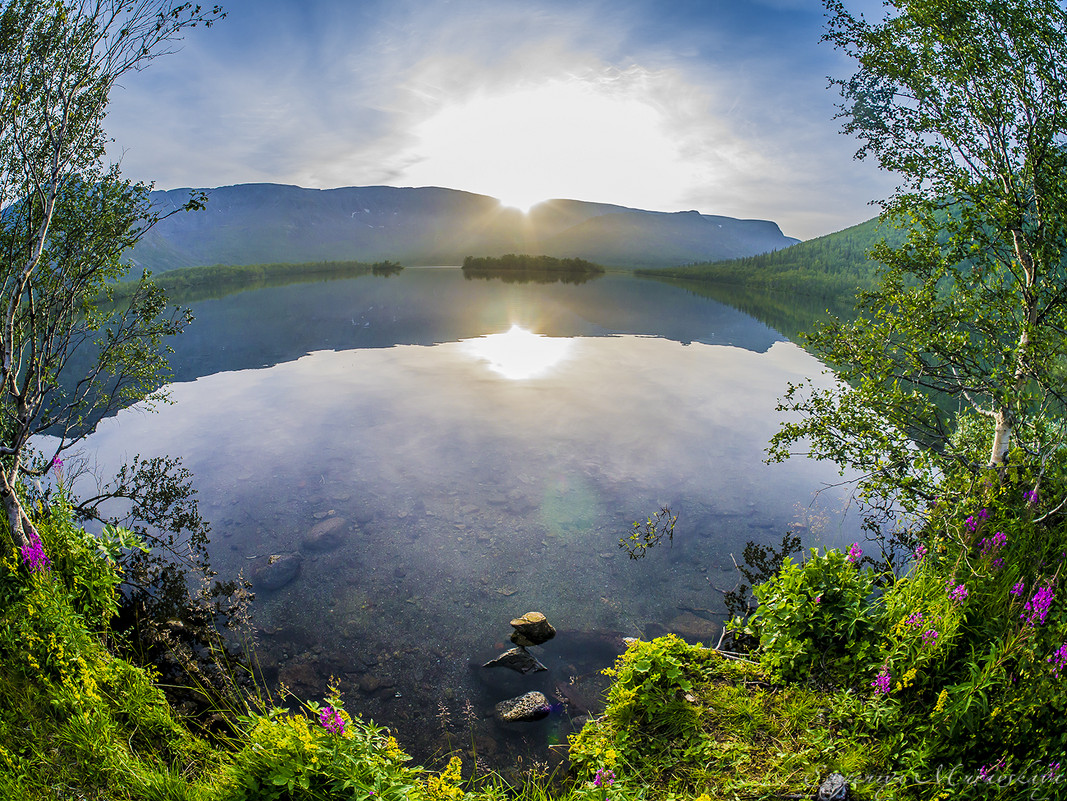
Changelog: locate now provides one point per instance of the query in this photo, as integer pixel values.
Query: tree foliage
(966, 101)
(67, 219)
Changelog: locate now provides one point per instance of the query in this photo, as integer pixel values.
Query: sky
(722, 106)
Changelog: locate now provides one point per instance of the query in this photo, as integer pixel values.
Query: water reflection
(428, 501)
(518, 353)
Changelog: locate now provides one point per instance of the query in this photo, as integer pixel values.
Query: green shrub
(326, 754)
(816, 620)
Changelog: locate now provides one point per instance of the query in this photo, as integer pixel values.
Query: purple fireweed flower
(915, 619)
(854, 553)
(998, 563)
(920, 552)
(993, 543)
(1018, 589)
(818, 599)
(1037, 607)
(34, 555)
(929, 637)
(882, 682)
(1053, 770)
(958, 593)
(972, 521)
(331, 720)
(1031, 496)
(1058, 660)
(603, 778)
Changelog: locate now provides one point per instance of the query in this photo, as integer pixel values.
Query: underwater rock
(532, 628)
(518, 659)
(276, 571)
(326, 535)
(529, 707)
(693, 628)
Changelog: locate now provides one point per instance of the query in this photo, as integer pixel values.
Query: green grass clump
(684, 721)
(76, 721)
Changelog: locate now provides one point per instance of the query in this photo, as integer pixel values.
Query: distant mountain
(256, 223)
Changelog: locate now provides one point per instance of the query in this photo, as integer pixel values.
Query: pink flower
(1058, 660)
(854, 553)
(34, 555)
(1037, 607)
(331, 720)
(883, 681)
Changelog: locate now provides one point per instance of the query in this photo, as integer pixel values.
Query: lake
(448, 454)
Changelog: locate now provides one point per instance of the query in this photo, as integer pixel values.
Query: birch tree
(67, 219)
(955, 362)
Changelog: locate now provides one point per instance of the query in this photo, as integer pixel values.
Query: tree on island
(68, 217)
(966, 101)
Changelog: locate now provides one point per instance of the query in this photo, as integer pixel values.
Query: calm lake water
(465, 475)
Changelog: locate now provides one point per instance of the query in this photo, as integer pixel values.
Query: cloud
(706, 112)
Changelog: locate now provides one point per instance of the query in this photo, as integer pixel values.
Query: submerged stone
(325, 535)
(529, 707)
(518, 659)
(532, 628)
(277, 571)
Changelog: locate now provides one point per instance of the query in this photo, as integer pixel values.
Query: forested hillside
(834, 265)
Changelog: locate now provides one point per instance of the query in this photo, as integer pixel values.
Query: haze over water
(478, 474)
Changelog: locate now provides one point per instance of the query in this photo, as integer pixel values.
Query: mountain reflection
(430, 306)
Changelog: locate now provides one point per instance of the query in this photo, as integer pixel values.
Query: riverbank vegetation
(832, 267)
(187, 284)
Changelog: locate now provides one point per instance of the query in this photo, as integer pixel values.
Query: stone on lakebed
(532, 628)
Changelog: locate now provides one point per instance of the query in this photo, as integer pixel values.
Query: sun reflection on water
(518, 353)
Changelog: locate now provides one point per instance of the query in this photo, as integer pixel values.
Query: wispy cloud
(657, 105)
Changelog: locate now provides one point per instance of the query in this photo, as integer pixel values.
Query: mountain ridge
(265, 222)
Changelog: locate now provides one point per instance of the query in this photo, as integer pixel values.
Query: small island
(524, 268)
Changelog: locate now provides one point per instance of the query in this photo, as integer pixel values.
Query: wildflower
(604, 778)
(331, 720)
(1037, 607)
(920, 552)
(1058, 660)
(818, 599)
(57, 464)
(1031, 496)
(1018, 589)
(993, 543)
(1053, 771)
(929, 637)
(998, 563)
(958, 593)
(915, 619)
(882, 681)
(34, 555)
(973, 520)
(854, 553)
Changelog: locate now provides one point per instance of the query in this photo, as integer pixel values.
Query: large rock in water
(325, 535)
(277, 571)
(532, 628)
(517, 659)
(529, 707)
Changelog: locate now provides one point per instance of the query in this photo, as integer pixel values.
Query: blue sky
(716, 105)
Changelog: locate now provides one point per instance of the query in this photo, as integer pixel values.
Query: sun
(518, 354)
(563, 138)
